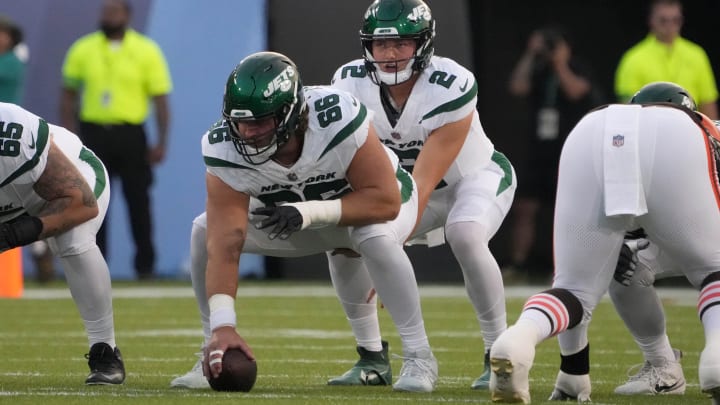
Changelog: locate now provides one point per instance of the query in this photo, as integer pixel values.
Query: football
(238, 372)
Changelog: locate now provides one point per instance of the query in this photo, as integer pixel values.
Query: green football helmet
(664, 92)
(394, 19)
(263, 85)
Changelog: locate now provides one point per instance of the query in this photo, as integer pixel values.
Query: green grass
(300, 338)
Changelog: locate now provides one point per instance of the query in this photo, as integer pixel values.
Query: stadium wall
(202, 41)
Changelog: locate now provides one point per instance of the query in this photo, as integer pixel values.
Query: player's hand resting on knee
(286, 218)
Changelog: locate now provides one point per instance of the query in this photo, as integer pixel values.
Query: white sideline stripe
(679, 296)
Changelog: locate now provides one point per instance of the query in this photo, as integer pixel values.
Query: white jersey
(445, 92)
(24, 147)
(330, 144)
(675, 172)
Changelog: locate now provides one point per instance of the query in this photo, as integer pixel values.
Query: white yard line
(678, 296)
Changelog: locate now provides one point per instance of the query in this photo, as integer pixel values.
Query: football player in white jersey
(425, 112)
(622, 167)
(640, 264)
(294, 171)
(53, 188)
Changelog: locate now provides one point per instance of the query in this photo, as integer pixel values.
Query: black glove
(19, 231)
(286, 218)
(628, 260)
(635, 234)
(5, 236)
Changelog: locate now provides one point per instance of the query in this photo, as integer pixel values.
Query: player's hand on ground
(222, 339)
(286, 220)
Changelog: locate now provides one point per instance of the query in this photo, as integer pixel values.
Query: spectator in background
(559, 91)
(115, 72)
(666, 56)
(12, 68)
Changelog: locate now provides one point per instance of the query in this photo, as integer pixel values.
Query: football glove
(628, 260)
(286, 220)
(19, 231)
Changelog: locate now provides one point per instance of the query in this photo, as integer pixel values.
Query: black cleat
(106, 365)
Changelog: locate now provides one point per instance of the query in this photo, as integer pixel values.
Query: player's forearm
(370, 206)
(221, 288)
(221, 278)
(61, 215)
(69, 199)
(224, 250)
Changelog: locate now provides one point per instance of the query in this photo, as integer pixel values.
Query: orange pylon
(11, 274)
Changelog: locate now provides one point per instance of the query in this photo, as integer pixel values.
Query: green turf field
(300, 338)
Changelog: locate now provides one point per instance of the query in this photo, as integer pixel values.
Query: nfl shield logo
(618, 140)
(395, 135)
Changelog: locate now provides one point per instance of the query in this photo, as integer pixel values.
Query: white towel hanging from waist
(624, 194)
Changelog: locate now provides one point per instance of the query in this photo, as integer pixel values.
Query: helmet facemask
(398, 19)
(258, 148)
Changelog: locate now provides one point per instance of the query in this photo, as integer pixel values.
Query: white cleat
(419, 372)
(511, 359)
(667, 379)
(193, 379)
(571, 387)
(709, 372)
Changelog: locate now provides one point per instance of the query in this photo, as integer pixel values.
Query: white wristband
(327, 212)
(222, 311)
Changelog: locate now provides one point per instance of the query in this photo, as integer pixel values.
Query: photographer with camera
(558, 91)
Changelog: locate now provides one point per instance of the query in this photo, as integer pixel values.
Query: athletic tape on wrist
(222, 311)
(326, 212)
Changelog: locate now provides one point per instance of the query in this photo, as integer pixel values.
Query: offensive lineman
(622, 167)
(640, 264)
(54, 188)
(307, 165)
(425, 112)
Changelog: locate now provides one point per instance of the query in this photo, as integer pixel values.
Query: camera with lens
(551, 37)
